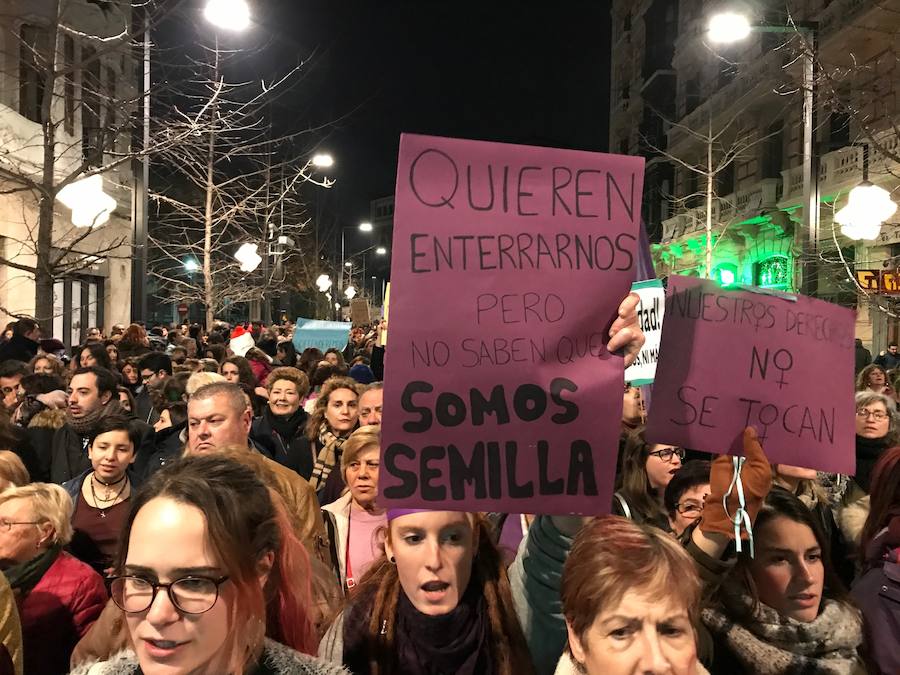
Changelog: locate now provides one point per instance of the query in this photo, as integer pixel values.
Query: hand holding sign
(733, 359)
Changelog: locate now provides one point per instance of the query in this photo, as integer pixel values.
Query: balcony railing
(742, 205)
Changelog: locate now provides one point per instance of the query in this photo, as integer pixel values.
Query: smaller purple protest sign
(732, 359)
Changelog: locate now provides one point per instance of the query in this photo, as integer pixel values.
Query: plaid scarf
(328, 457)
(767, 643)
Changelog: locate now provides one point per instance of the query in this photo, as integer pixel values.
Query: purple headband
(397, 513)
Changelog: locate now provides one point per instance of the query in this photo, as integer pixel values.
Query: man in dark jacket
(890, 359)
(23, 346)
(154, 368)
(863, 356)
(62, 454)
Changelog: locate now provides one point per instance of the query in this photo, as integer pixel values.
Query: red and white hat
(241, 340)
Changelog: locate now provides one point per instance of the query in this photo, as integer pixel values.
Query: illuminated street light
(323, 160)
(90, 205)
(248, 257)
(191, 265)
(381, 250)
(323, 283)
(348, 264)
(868, 207)
(728, 27)
(350, 292)
(228, 14)
(365, 227)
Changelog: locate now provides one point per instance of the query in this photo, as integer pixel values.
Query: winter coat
(19, 348)
(877, 594)
(294, 452)
(863, 358)
(887, 360)
(276, 659)
(143, 404)
(566, 666)
(57, 612)
(10, 626)
(168, 446)
(852, 513)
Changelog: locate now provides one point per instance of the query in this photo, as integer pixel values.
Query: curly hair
(318, 415)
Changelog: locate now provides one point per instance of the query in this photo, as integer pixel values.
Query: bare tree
(75, 74)
(231, 182)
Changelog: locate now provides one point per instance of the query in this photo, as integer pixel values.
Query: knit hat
(362, 374)
(397, 513)
(241, 340)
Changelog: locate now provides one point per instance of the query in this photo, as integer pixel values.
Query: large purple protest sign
(732, 359)
(509, 263)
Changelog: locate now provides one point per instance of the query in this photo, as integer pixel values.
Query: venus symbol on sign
(782, 359)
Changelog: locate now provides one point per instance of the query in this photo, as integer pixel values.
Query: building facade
(729, 202)
(66, 97)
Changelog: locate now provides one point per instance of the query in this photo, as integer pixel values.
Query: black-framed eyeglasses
(689, 508)
(190, 595)
(667, 454)
(876, 415)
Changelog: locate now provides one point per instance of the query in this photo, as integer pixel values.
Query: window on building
(773, 151)
(91, 136)
(692, 195)
(69, 84)
(725, 180)
(691, 95)
(838, 130)
(33, 41)
(773, 272)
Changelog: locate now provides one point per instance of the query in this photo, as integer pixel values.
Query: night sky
(533, 73)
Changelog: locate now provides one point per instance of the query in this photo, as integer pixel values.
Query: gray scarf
(85, 425)
(768, 643)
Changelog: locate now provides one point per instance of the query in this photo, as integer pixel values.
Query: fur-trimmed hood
(276, 659)
(51, 418)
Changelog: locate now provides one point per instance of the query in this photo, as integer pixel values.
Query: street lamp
(729, 27)
(191, 265)
(867, 208)
(90, 205)
(323, 160)
(228, 14)
(350, 292)
(363, 227)
(248, 257)
(323, 283)
(381, 250)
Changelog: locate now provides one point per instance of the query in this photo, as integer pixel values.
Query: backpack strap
(625, 508)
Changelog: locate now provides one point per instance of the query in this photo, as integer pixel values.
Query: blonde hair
(317, 417)
(201, 379)
(361, 439)
(12, 469)
(51, 503)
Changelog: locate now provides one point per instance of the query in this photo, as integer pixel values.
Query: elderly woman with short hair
(877, 425)
(58, 597)
(354, 522)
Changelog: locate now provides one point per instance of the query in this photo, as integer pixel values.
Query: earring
(384, 627)
(392, 560)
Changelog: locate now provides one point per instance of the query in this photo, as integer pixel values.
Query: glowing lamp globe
(867, 208)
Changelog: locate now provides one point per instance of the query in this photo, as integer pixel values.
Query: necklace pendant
(103, 514)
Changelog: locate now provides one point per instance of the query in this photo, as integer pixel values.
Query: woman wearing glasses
(646, 471)
(208, 569)
(685, 495)
(59, 597)
(876, 431)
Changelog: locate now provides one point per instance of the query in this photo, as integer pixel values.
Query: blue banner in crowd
(320, 334)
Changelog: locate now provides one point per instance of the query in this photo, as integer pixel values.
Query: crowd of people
(184, 501)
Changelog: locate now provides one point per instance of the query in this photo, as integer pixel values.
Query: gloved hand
(756, 477)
